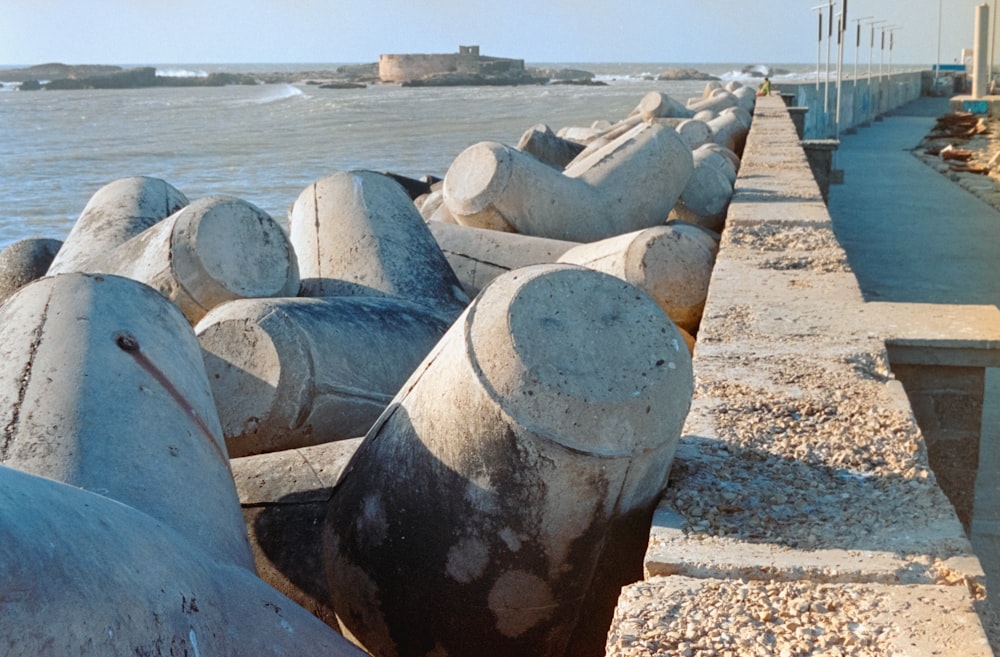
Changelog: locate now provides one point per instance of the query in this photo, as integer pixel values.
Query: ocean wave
(277, 94)
(180, 73)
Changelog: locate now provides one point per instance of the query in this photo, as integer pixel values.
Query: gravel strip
(750, 619)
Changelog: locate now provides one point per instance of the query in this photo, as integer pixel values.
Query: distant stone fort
(467, 61)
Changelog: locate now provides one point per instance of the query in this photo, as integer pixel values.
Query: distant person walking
(765, 87)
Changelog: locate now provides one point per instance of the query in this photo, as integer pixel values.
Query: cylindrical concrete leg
(747, 98)
(695, 133)
(358, 233)
(84, 575)
(669, 265)
(555, 151)
(719, 100)
(299, 371)
(628, 184)
(217, 249)
(583, 158)
(115, 214)
(706, 197)
(511, 483)
(102, 386)
(658, 105)
(730, 129)
(25, 261)
(478, 255)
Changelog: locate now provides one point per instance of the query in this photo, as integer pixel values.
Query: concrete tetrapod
(658, 105)
(715, 102)
(115, 214)
(511, 482)
(670, 265)
(214, 250)
(477, 255)
(544, 144)
(706, 197)
(629, 184)
(292, 372)
(730, 128)
(85, 575)
(359, 233)
(25, 261)
(102, 386)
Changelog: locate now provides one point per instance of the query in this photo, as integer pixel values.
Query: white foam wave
(180, 73)
(278, 94)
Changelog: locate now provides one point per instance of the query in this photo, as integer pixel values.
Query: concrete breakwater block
(214, 250)
(24, 261)
(85, 575)
(115, 214)
(695, 133)
(359, 233)
(658, 105)
(548, 147)
(706, 197)
(730, 128)
(670, 265)
(102, 386)
(285, 496)
(292, 372)
(477, 255)
(717, 100)
(510, 484)
(629, 184)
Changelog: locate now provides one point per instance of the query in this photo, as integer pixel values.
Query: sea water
(266, 143)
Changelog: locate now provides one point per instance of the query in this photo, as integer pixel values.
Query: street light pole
(857, 45)
(819, 42)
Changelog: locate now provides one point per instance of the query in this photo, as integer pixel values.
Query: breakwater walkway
(803, 516)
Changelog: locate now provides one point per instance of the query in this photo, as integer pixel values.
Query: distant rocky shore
(56, 76)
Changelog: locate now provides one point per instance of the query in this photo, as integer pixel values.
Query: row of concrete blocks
(375, 291)
(674, 160)
(551, 366)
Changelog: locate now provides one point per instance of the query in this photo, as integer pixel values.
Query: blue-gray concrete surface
(911, 234)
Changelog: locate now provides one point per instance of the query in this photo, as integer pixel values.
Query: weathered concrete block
(695, 133)
(718, 100)
(544, 144)
(115, 214)
(299, 371)
(86, 575)
(730, 128)
(627, 185)
(102, 386)
(25, 261)
(658, 105)
(358, 233)
(585, 157)
(511, 482)
(670, 265)
(214, 250)
(706, 197)
(747, 98)
(285, 496)
(478, 255)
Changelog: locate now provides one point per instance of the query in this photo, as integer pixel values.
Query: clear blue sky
(231, 31)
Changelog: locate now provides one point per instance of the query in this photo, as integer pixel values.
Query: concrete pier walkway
(911, 234)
